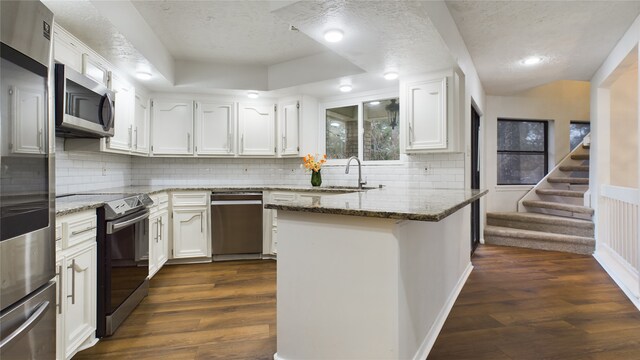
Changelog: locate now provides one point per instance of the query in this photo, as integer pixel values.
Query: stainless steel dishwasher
(236, 222)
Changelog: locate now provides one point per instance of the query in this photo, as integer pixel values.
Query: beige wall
(624, 130)
(561, 101)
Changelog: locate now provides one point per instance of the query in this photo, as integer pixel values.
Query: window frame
(545, 152)
(357, 100)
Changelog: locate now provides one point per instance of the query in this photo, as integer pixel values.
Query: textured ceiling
(85, 22)
(240, 32)
(378, 35)
(573, 37)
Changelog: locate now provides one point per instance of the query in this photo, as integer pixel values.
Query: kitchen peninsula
(369, 274)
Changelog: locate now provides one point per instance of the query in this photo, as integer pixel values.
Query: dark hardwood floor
(223, 310)
(517, 304)
(530, 304)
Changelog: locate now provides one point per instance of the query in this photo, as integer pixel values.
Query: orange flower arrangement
(312, 163)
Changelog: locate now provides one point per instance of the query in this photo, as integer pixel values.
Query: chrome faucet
(346, 171)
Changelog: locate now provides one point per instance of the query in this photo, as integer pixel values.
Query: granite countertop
(393, 203)
(403, 204)
(67, 204)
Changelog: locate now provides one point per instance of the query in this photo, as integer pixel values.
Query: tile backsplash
(428, 171)
(78, 171)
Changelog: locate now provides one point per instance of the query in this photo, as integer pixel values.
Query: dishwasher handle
(235, 202)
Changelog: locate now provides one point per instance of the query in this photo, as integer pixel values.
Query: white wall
(560, 101)
(624, 129)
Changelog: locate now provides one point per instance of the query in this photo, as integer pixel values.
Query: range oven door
(126, 258)
(83, 107)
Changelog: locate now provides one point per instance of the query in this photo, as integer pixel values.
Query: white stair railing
(618, 241)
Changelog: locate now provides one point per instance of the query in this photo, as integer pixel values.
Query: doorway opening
(475, 178)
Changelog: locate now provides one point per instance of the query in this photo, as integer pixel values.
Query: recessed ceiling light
(532, 60)
(252, 95)
(333, 35)
(374, 103)
(143, 75)
(345, 88)
(391, 75)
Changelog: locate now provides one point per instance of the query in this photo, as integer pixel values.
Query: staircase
(553, 215)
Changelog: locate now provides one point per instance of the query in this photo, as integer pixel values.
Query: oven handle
(114, 226)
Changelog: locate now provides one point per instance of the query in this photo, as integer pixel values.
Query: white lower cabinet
(76, 283)
(190, 222)
(158, 232)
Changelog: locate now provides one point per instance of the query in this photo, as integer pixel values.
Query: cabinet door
(257, 130)
(141, 125)
(214, 128)
(427, 115)
(66, 51)
(163, 239)
(172, 127)
(189, 233)
(123, 117)
(288, 124)
(27, 120)
(59, 318)
(80, 297)
(154, 227)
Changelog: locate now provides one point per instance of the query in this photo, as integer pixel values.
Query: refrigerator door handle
(24, 328)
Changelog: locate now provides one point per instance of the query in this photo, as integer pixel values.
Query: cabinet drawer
(283, 197)
(79, 228)
(162, 200)
(191, 199)
(58, 237)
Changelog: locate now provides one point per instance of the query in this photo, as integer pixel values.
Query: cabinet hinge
(151, 148)
(275, 107)
(298, 148)
(172, 253)
(151, 102)
(196, 105)
(297, 104)
(275, 149)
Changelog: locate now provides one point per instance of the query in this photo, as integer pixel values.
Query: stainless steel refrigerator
(27, 208)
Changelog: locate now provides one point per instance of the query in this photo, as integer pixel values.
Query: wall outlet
(104, 170)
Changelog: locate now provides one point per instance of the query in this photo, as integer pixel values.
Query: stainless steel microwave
(83, 107)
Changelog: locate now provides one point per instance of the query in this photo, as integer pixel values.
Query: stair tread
(558, 206)
(542, 218)
(580, 156)
(530, 234)
(572, 180)
(574, 167)
(557, 192)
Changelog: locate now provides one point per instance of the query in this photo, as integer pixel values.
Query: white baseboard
(433, 333)
(617, 273)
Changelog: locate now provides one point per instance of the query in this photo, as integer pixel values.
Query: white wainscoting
(618, 242)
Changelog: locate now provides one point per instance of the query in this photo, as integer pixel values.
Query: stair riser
(576, 181)
(542, 227)
(563, 199)
(540, 245)
(559, 213)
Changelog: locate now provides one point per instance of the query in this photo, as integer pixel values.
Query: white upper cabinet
(431, 109)
(172, 127)
(27, 120)
(141, 125)
(122, 138)
(215, 123)
(256, 129)
(427, 115)
(66, 50)
(288, 128)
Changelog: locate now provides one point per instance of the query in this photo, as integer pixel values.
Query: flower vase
(316, 178)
